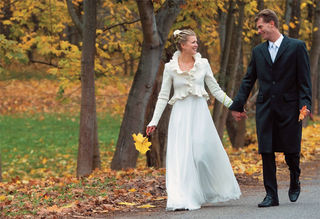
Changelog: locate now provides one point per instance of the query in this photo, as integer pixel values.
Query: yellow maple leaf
(127, 203)
(160, 198)
(2, 197)
(146, 206)
(292, 25)
(142, 144)
(44, 161)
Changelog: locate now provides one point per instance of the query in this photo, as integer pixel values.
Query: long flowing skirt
(198, 170)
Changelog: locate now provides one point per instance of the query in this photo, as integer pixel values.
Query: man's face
(266, 30)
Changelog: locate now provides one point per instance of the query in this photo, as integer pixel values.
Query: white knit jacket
(187, 83)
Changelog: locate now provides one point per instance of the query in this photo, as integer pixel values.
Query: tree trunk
(295, 18)
(236, 130)
(287, 14)
(155, 32)
(218, 107)
(315, 55)
(125, 65)
(88, 151)
(318, 92)
(0, 168)
(157, 154)
(257, 38)
(132, 60)
(222, 28)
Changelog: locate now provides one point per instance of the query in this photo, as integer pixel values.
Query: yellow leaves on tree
(142, 144)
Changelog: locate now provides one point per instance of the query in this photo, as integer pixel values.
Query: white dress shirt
(274, 47)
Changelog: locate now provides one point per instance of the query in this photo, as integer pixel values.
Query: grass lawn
(44, 145)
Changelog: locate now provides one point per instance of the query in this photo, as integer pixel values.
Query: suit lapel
(266, 52)
(283, 46)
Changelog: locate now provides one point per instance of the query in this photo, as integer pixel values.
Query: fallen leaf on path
(146, 206)
(127, 203)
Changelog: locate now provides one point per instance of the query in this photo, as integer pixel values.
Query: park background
(78, 78)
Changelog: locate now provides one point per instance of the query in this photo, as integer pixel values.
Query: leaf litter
(107, 192)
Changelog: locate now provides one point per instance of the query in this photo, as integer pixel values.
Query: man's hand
(239, 115)
(304, 112)
(150, 129)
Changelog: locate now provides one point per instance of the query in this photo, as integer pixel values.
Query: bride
(198, 170)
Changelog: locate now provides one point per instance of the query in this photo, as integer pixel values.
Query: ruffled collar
(175, 64)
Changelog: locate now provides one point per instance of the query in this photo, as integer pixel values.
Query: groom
(281, 65)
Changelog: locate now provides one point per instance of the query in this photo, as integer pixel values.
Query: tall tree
(315, 55)
(287, 15)
(88, 151)
(155, 28)
(0, 168)
(222, 17)
(236, 130)
(318, 92)
(295, 19)
(219, 118)
(257, 38)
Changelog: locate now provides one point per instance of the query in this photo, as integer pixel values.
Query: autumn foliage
(106, 192)
(41, 35)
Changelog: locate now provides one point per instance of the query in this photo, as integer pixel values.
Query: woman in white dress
(198, 170)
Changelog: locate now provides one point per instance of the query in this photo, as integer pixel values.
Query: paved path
(307, 206)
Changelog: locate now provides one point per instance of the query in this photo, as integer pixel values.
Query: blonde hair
(181, 36)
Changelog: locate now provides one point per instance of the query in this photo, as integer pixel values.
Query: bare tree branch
(44, 63)
(74, 17)
(120, 24)
(148, 19)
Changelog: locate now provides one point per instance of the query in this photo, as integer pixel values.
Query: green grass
(47, 144)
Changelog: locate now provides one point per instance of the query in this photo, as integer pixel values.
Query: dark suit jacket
(284, 88)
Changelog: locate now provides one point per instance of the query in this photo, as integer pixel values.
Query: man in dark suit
(281, 65)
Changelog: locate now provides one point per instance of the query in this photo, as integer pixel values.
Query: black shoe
(294, 192)
(268, 201)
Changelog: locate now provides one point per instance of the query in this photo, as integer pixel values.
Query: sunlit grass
(46, 144)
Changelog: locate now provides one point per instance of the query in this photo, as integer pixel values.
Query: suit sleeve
(304, 81)
(163, 97)
(245, 87)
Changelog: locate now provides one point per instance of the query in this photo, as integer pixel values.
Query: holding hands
(239, 115)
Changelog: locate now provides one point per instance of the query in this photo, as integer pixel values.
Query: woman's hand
(150, 129)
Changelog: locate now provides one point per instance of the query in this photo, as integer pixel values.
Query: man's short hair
(268, 15)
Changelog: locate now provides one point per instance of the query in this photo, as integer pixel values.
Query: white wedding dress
(198, 170)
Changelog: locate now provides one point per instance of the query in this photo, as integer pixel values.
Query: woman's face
(190, 46)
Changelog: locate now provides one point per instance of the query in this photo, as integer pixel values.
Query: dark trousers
(269, 171)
